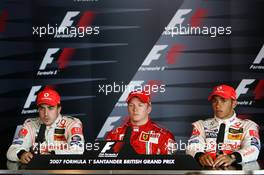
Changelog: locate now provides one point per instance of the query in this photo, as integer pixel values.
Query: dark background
(129, 30)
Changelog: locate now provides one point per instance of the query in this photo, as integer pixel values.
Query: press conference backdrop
(179, 49)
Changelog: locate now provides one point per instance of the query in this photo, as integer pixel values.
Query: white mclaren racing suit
(64, 136)
(241, 138)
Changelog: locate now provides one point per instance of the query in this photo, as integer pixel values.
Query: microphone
(220, 138)
(40, 138)
(127, 135)
(127, 148)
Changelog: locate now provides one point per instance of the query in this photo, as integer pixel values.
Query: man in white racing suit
(50, 133)
(224, 139)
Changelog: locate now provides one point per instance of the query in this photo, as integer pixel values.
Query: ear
(234, 103)
(149, 108)
(59, 109)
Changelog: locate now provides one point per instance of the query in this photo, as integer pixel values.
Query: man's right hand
(26, 157)
(206, 160)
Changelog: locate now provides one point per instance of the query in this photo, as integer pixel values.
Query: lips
(46, 120)
(218, 111)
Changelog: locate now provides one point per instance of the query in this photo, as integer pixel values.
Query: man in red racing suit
(146, 136)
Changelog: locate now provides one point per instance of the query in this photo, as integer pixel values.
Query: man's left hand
(223, 160)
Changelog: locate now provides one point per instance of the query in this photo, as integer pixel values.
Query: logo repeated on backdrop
(158, 51)
(74, 25)
(85, 20)
(249, 91)
(194, 25)
(30, 100)
(258, 63)
(48, 65)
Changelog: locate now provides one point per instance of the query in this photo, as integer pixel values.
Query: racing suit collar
(226, 121)
(137, 128)
(54, 124)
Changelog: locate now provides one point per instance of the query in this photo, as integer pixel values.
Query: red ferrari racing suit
(146, 139)
(64, 136)
(240, 137)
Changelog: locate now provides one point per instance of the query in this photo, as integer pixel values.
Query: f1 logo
(108, 126)
(242, 89)
(260, 56)
(67, 22)
(48, 58)
(195, 19)
(178, 17)
(32, 96)
(84, 21)
(172, 55)
(154, 54)
(63, 59)
(107, 147)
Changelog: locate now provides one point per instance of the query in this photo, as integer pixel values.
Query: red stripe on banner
(259, 90)
(86, 19)
(65, 57)
(174, 53)
(3, 18)
(197, 18)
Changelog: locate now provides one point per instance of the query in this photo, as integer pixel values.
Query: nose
(45, 112)
(217, 104)
(135, 109)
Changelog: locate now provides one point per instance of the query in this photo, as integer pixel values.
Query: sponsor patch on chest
(210, 134)
(59, 137)
(149, 137)
(59, 131)
(234, 136)
(235, 130)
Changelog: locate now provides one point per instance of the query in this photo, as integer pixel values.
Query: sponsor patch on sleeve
(195, 132)
(22, 133)
(255, 142)
(76, 140)
(76, 130)
(193, 141)
(254, 133)
(17, 142)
